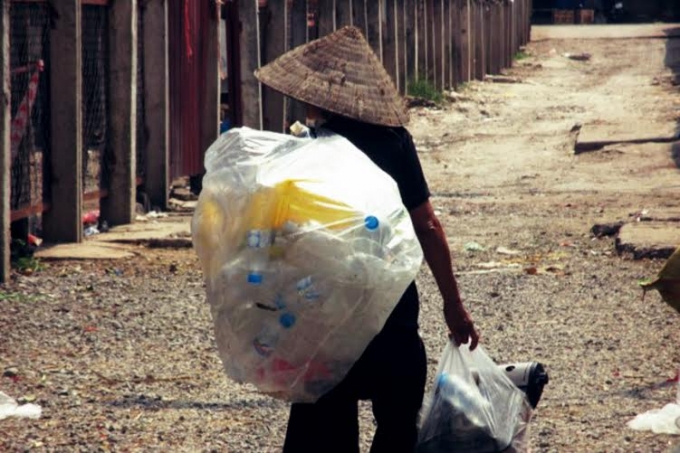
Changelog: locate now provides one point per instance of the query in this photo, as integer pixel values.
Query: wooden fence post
(64, 224)
(402, 54)
(478, 28)
(389, 42)
(411, 43)
(210, 92)
(448, 44)
(431, 47)
(5, 145)
(465, 41)
(421, 40)
(297, 36)
(438, 22)
(359, 15)
(488, 37)
(157, 102)
(274, 45)
(118, 207)
(326, 17)
(250, 60)
(374, 25)
(343, 13)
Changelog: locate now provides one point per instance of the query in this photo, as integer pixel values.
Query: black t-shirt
(391, 149)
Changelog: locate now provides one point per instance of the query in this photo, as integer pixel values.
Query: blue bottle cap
(287, 320)
(371, 222)
(255, 278)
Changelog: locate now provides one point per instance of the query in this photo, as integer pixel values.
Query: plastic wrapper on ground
(306, 248)
(473, 407)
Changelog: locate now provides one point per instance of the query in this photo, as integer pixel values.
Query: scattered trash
(412, 101)
(578, 56)
(506, 251)
(299, 130)
(551, 269)
(91, 218)
(531, 270)
(659, 421)
(34, 240)
(91, 231)
(496, 265)
(606, 229)
(641, 216)
(151, 215)
(474, 247)
(502, 79)
(10, 408)
(455, 97)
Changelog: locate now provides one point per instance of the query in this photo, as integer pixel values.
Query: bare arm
(438, 256)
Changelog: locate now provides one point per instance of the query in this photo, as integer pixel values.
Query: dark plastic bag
(473, 407)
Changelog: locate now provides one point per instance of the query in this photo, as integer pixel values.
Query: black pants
(391, 373)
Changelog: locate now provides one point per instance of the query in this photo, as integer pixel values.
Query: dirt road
(121, 356)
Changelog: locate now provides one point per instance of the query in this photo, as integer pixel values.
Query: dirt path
(121, 356)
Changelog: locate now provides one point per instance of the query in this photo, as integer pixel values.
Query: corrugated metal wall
(188, 63)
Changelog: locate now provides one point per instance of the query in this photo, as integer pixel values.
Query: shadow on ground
(153, 404)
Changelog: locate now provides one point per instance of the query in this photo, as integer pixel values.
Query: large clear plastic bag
(306, 248)
(473, 407)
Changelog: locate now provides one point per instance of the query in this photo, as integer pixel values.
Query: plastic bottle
(257, 254)
(464, 398)
(266, 341)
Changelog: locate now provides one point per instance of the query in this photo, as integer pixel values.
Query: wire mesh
(29, 55)
(95, 49)
(141, 119)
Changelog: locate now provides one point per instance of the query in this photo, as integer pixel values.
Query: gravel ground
(121, 356)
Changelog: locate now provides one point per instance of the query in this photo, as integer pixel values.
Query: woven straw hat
(339, 73)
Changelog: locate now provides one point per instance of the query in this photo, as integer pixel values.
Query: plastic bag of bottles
(474, 407)
(306, 248)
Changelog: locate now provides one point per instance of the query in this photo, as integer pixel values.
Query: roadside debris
(659, 421)
(474, 247)
(151, 215)
(606, 229)
(502, 79)
(578, 56)
(9, 407)
(412, 101)
(507, 251)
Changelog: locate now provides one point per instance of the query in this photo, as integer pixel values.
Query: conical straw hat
(341, 74)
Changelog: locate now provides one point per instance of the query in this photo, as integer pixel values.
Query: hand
(461, 327)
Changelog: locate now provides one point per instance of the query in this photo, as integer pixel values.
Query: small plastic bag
(473, 407)
(660, 421)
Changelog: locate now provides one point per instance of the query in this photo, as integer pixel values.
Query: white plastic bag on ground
(473, 407)
(660, 421)
(10, 408)
(306, 248)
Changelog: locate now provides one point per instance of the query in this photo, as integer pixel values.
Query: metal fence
(445, 43)
(95, 68)
(30, 150)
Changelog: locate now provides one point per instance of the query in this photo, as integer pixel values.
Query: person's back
(340, 77)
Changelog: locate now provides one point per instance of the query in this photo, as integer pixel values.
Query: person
(348, 92)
